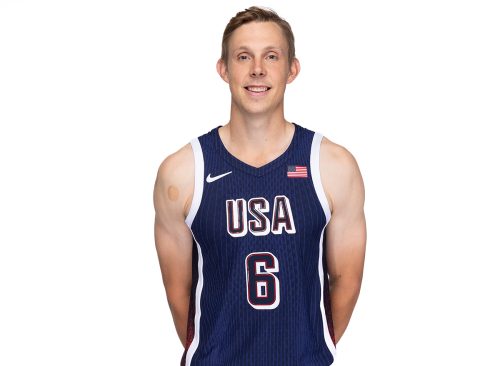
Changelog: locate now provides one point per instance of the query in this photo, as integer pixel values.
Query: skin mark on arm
(173, 193)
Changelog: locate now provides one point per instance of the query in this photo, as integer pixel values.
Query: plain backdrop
(95, 94)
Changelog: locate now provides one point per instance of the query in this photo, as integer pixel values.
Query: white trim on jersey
(316, 178)
(318, 187)
(199, 286)
(199, 167)
(326, 332)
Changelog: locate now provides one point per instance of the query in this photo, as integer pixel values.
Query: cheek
(235, 78)
(236, 70)
(280, 75)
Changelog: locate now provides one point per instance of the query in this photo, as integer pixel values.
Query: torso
(258, 265)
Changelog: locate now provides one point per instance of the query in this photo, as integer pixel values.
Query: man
(259, 228)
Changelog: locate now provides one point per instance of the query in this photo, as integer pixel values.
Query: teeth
(257, 89)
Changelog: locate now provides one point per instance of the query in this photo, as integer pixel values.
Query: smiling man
(260, 227)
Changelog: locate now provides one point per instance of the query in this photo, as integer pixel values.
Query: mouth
(257, 89)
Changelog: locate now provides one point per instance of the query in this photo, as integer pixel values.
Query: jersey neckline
(250, 169)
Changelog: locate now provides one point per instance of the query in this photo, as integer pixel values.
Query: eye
(272, 57)
(243, 57)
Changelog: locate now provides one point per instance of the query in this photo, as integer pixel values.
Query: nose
(257, 69)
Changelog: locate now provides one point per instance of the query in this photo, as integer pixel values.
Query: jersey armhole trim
(316, 176)
(199, 167)
(318, 187)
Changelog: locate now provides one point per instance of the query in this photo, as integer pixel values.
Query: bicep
(345, 246)
(174, 248)
(173, 239)
(346, 231)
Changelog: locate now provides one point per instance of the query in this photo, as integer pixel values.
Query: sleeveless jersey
(260, 287)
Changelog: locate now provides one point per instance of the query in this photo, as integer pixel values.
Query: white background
(95, 94)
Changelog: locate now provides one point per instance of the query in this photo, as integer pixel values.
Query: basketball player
(259, 229)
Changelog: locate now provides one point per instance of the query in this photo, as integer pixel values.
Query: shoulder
(340, 174)
(337, 158)
(174, 183)
(176, 165)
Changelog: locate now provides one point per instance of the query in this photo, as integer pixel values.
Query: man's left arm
(346, 231)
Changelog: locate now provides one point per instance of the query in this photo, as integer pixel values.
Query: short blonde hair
(258, 14)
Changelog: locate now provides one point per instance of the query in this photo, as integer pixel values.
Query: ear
(294, 70)
(222, 70)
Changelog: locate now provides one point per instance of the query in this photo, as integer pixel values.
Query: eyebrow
(268, 48)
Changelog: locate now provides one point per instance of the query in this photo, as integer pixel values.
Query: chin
(258, 110)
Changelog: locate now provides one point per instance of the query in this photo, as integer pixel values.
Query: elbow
(346, 283)
(177, 296)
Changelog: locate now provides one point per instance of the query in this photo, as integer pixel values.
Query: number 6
(263, 287)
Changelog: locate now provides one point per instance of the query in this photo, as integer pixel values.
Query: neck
(256, 138)
(240, 116)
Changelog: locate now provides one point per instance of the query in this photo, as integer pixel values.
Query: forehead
(258, 35)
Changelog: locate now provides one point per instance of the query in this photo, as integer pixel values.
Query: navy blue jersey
(260, 285)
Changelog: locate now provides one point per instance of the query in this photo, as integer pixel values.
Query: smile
(257, 89)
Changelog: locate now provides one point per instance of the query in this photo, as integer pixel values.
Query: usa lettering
(243, 217)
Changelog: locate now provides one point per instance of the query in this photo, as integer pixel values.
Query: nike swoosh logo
(213, 179)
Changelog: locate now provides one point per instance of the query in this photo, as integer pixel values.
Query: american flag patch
(296, 171)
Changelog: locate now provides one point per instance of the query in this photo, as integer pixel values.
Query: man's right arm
(172, 197)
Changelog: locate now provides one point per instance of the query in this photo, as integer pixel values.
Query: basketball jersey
(260, 287)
